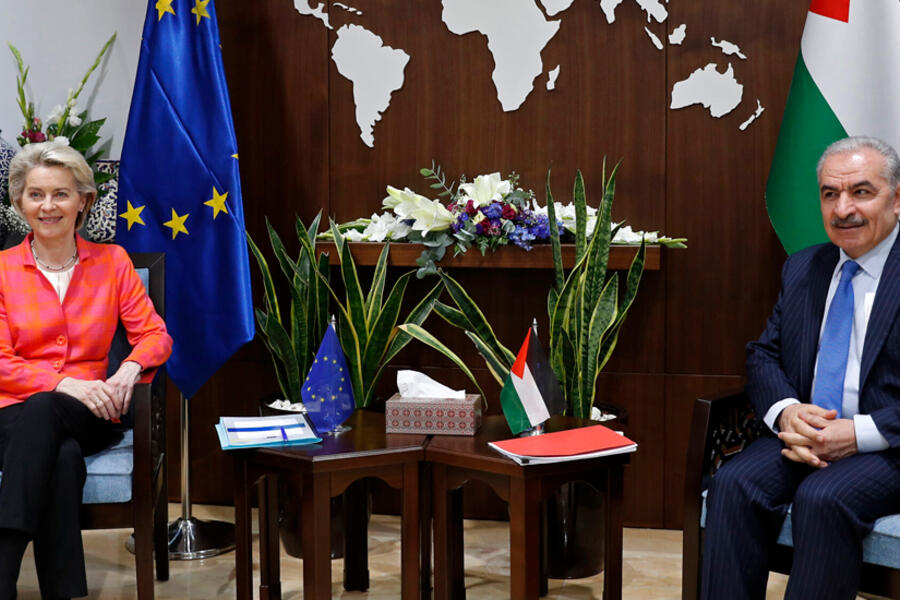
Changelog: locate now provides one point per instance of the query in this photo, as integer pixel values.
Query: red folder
(571, 442)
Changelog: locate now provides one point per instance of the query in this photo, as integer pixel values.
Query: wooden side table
(326, 470)
(454, 460)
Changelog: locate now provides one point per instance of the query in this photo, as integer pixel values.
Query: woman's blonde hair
(52, 154)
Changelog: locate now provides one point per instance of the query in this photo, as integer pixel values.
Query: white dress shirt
(865, 284)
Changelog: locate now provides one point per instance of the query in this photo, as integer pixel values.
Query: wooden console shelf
(507, 257)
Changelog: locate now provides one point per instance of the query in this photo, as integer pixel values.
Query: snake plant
(585, 308)
(368, 322)
(292, 339)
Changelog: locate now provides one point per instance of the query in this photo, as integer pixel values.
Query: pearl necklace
(68, 264)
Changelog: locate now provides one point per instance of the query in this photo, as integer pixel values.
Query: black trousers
(833, 510)
(43, 442)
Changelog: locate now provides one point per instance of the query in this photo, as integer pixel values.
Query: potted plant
(586, 312)
(368, 323)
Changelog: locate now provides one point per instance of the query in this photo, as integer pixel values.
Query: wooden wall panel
(681, 392)
(642, 395)
(722, 289)
(448, 111)
(683, 172)
(277, 69)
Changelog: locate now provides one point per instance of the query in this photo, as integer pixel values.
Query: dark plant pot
(576, 526)
(289, 517)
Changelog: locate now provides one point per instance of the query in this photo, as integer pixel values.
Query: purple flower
(494, 210)
(521, 237)
(541, 228)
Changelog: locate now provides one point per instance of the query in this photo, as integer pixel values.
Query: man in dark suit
(825, 378)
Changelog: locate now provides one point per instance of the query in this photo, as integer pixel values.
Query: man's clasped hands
(815, 436)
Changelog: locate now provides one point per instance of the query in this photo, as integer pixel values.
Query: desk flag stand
(190, 538)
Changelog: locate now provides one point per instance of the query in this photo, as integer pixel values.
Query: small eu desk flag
(180, 189)
(327, 393)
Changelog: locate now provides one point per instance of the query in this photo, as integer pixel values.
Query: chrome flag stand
(190, 538)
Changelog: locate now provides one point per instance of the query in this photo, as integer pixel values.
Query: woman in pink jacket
(61, 299)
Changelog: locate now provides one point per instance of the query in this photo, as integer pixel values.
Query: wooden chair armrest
(148, 406)
(147, 375)
(708, 413)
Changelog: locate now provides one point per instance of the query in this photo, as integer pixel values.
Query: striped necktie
(835, 343)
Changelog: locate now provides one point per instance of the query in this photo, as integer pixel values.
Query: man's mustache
(851, 221)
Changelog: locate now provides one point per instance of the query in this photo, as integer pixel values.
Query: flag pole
(190, 538)
(539, 428)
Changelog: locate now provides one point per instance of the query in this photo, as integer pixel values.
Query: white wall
(59, 40)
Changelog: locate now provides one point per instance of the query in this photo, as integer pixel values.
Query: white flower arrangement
(623, 234)
(487, 212)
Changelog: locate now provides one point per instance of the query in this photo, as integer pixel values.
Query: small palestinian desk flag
(531, 392)
(327, 393)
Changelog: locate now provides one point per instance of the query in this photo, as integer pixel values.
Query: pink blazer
(42, 341)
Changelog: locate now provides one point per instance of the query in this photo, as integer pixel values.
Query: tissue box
(445, 416)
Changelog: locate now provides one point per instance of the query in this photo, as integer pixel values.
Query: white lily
(484, 190)
(386, 227)
(626, 235)
(403, 202)
(431, 217)
(61, 139)
(566, 214)
(54, 115)
(74, 120)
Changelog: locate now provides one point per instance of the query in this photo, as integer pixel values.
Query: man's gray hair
(857, 142)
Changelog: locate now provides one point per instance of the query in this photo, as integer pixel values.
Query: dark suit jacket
(781, 363)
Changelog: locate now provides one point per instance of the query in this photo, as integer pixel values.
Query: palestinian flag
(531, 392)
(846, 82)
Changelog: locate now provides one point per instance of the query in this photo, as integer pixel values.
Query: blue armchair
(126, 484)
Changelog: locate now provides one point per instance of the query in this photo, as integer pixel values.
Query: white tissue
(412, 384)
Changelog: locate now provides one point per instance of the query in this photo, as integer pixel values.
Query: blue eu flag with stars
(327, 394)
(180, 189)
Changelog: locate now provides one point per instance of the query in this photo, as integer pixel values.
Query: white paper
(264, 429)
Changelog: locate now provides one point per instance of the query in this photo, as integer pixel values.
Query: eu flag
(327, 393)
(180, 189)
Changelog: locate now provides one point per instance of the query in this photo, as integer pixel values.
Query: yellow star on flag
(163, 7)
(234, 156)
(177, 224)
(217, 202)
(133, 215)
(200, 10)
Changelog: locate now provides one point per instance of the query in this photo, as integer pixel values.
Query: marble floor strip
(652, 566)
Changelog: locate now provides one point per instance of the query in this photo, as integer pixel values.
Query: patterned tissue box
(442, 416)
